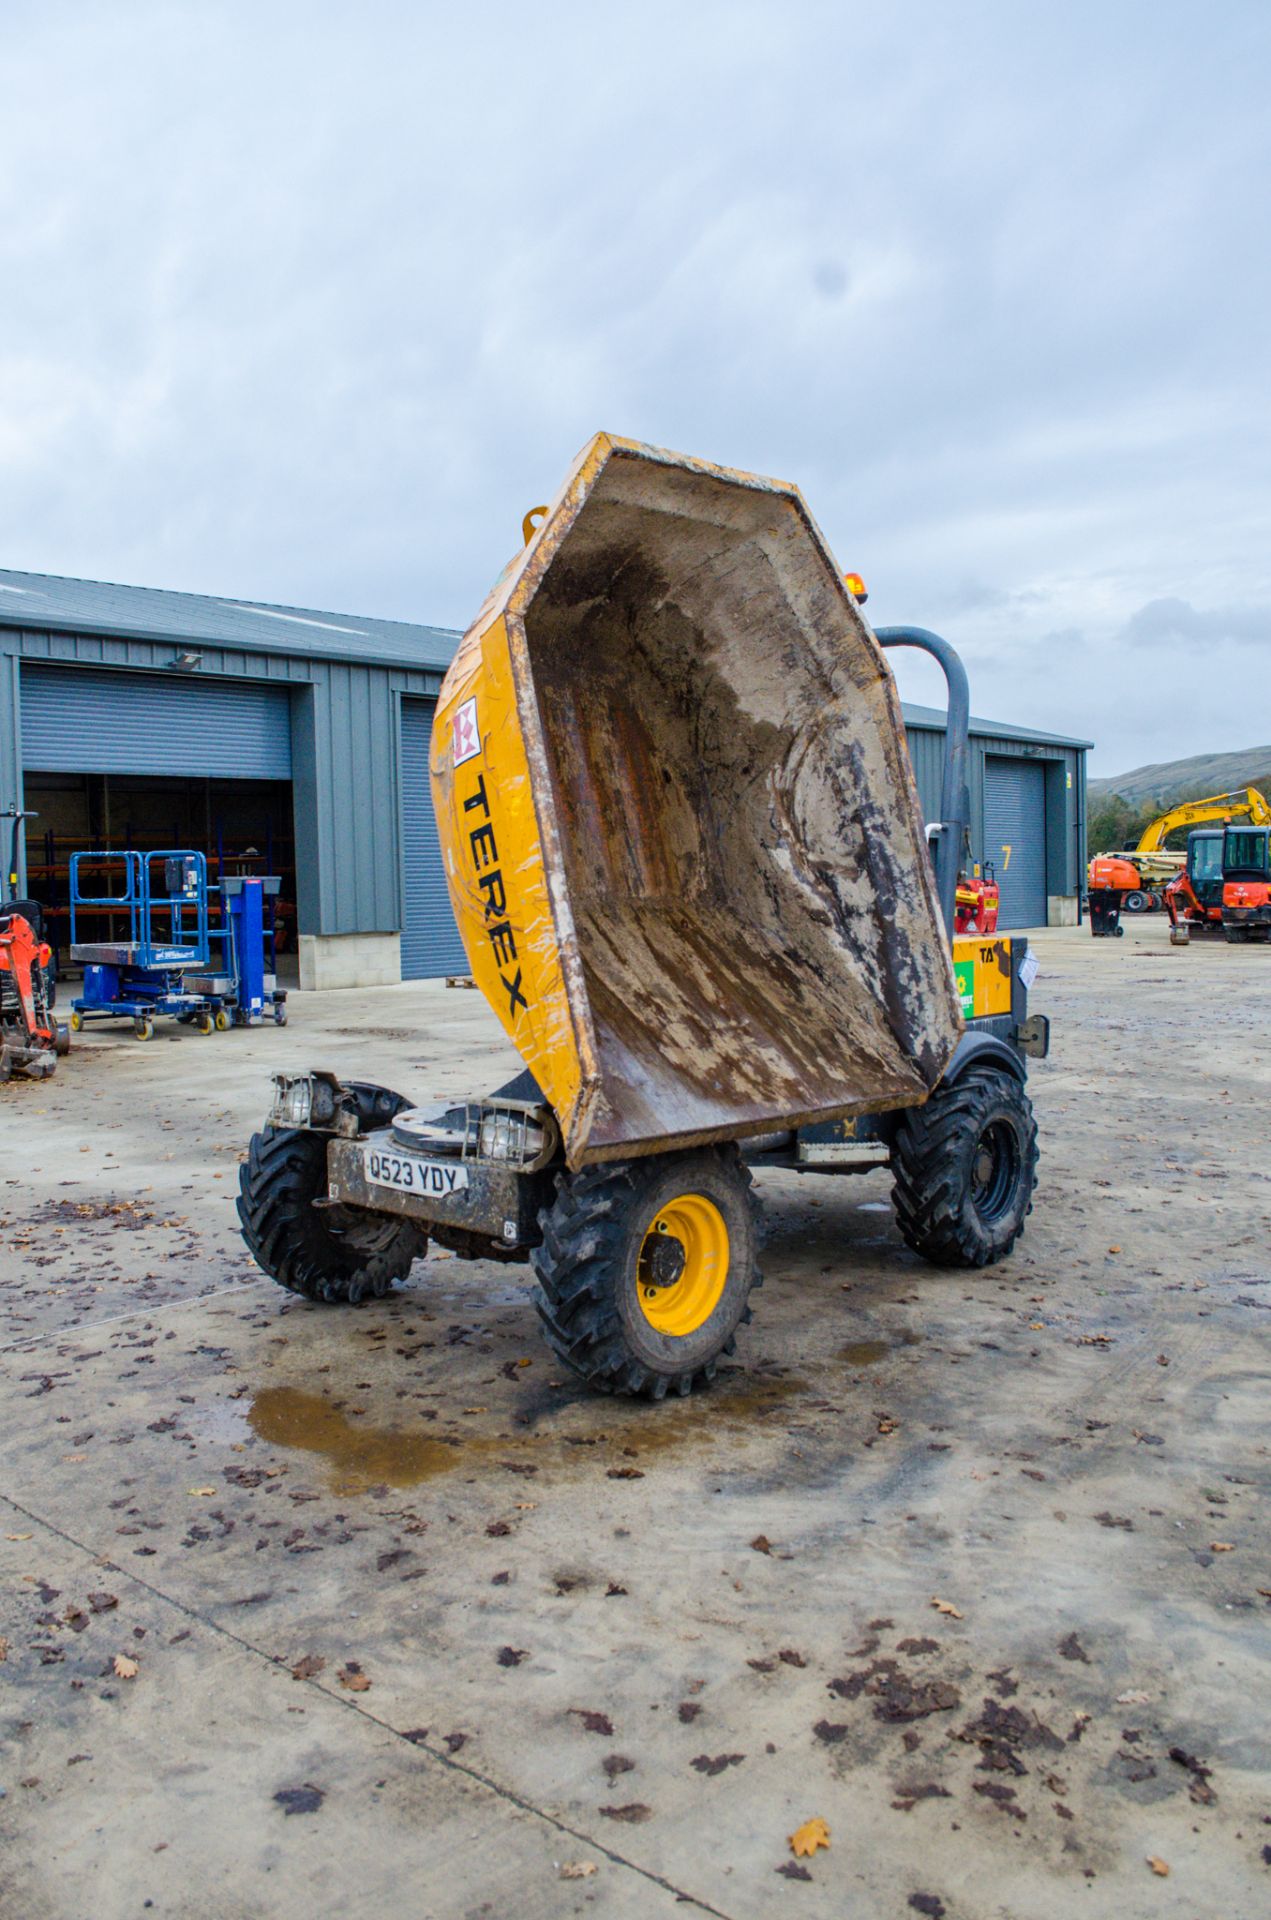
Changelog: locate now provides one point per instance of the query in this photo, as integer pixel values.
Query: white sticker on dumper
(1028, 969)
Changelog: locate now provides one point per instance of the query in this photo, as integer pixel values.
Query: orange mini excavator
(30, 1038)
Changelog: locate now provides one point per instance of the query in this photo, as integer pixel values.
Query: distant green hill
(1204, 773)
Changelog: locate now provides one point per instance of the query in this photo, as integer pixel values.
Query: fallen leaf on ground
(717, 1763)
(17, 1536)
(1158, 1866)
(576, 1869)
(125, 1669)
(791, 1870)
(102, 1602)
(593, 1722)
(306, 1799)
(353, 1678)
(1221, 1546)
(1133, 1697)
(761, 1543)
(633, 1814)
(511, 1656)
(4, 1648)
(805, 1840)
(946, 1606)
(308, 1667)
(200, 1493)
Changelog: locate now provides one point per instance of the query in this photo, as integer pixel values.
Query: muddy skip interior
(743, 858)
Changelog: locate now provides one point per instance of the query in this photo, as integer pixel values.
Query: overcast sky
(309, 303)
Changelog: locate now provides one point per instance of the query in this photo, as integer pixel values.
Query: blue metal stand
(165, 965)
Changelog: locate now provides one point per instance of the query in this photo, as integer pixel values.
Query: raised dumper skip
(686, 858)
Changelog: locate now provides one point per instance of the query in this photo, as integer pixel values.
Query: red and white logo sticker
(467, 732)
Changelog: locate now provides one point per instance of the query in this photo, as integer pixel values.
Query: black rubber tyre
(964, 1167)
(339, 1255)
(588, 1263)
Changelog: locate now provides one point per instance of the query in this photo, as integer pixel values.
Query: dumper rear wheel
(965, 1166)
(337, 1254)
(645, 1269)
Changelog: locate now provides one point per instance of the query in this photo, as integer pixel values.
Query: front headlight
(510, 1136)
(293, 1102)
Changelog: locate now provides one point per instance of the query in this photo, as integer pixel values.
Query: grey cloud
(1176, 623)
(309, 304)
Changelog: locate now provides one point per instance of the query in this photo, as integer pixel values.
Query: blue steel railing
(184, 912)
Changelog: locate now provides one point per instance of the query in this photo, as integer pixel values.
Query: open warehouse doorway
(138, 761)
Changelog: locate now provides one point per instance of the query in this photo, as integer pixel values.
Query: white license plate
(408, 1174)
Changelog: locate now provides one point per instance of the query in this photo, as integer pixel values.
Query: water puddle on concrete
(729, 1414)
(359, 1455)
(869, 1353)
(864, 1353)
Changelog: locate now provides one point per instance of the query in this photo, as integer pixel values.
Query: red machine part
(1110, 873)
(30, 1039)
(1246, 893)
(1184, 909)
(976, 904)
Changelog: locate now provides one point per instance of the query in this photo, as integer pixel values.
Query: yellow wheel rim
(683, 1265)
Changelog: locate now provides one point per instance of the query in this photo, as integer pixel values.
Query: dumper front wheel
(336, 1254)
(965, 1166)
(645, 1269)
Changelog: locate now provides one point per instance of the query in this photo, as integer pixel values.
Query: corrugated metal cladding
(77, 720)
(430, 938)
(1015, 838)
(342, 727)
(342, 706)
(1053, 831)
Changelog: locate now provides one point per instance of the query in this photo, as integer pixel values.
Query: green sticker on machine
(964, 973)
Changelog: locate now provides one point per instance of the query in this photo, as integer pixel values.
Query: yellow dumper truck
(685, 855)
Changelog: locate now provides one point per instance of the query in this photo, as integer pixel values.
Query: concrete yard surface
(371, 1611)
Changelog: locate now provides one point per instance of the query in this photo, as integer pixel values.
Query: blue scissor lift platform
(167, 964)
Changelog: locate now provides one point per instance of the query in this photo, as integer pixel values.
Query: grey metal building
(295, 741)
(1028, 811)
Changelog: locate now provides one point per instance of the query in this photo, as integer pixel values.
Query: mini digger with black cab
(686, 857)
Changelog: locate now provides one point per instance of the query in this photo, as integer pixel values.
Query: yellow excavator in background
(1135, 880)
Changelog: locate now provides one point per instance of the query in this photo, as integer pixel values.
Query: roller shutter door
(430, 939)
(1015, 838)
(89, 720)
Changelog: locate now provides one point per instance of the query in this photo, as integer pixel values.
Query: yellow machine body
(983, 968)
(679, 825)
